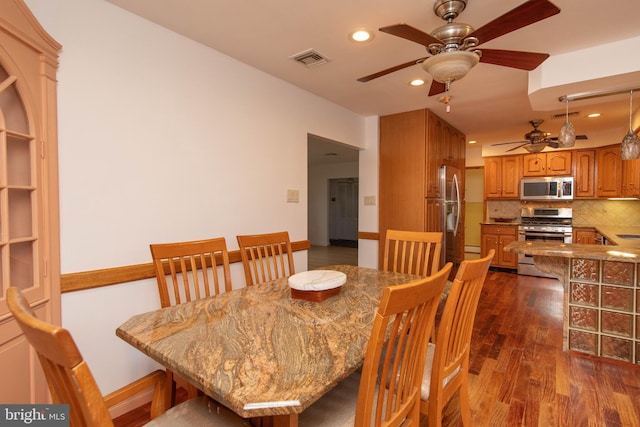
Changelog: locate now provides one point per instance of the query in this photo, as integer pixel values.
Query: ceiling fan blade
(513, 58)
(437, 88)
(555, 138)
(390, 70)
(408, 32)
(527, 13)
(553, 144)
(519, 146)
(512, 142)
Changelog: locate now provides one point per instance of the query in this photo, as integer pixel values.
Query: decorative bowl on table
(316, 285)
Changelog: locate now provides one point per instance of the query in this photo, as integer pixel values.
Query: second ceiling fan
(536, 140)
(453, 46)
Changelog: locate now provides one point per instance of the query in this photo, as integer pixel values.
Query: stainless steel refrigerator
(452, 204)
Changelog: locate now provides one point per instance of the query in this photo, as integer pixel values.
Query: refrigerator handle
(457, 207)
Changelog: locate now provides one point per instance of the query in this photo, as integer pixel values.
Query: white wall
(163, 139)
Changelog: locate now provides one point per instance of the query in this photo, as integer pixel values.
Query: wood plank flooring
(519, 375)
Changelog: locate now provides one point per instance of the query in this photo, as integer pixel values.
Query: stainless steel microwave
(547, 188)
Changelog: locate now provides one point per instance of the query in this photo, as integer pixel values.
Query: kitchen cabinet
(413, 147)
(547, 164)
(608, 172)
(502, 177)
(496, 237)
(630, 178)
(584, 172)
(585, 235)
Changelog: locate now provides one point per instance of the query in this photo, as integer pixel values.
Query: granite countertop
(568, 250)
(611, 232)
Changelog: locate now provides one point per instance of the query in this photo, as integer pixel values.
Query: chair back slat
(389, 393)
(188, 271)
(266, 257)
(412, 252)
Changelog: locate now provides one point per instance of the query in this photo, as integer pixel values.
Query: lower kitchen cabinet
(585, 235)
(496, 237)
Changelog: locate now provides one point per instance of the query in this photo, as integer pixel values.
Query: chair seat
(425, 390)
(201, 411)
(337, 408)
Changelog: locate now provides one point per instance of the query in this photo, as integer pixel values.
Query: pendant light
(567, 135)
(630, 146)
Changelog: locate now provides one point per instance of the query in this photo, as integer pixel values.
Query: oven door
(525, 262)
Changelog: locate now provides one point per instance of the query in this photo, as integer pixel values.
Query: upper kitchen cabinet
(631, 178)
(547, 164)
(609, 172)
(584, 169)
(502, 177)
(413, 147)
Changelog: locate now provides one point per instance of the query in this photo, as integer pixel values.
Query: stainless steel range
(543, 225)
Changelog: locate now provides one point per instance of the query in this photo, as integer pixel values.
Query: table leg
(290, 420)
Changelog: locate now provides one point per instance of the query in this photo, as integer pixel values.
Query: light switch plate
(369, 200)
(293, 196)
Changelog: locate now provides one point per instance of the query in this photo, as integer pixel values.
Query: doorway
(332, 172)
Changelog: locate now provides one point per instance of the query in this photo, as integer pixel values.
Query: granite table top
(260, 352)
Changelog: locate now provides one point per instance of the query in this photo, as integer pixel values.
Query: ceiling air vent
(310, 58)
(563, 115)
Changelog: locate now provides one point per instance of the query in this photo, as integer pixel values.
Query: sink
(629, 236)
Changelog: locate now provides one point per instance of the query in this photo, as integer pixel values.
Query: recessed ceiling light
(361, 35)
(417, 82)
(472, 142)
(592, 115)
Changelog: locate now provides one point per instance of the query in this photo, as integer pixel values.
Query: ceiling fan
(536, 140)
(452, 47)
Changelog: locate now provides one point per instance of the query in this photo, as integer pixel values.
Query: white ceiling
(491, 104)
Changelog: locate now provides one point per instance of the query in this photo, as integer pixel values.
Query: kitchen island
(601, 291)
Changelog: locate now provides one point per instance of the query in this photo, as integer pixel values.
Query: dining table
(261, 352)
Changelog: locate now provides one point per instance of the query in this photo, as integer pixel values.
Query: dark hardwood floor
(519, 375)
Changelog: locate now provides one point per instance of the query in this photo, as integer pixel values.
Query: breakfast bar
(601, 291)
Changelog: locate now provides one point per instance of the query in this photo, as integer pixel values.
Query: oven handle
(535, 234)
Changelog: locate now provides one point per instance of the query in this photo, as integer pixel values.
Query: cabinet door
(433, 218)
(631, 178)
(534, 164)
(586, 236)
(584, 173)
(507, 259)
(511, 174)
(559, 163)
(492, 177)
(436, 136)
(488, 242)
(609, 172)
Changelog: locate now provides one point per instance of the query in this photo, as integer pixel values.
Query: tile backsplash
(585, 212)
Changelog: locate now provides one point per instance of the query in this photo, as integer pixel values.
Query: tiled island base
(603, 309)
(601, 297)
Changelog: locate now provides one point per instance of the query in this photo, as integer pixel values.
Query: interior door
(343, 211)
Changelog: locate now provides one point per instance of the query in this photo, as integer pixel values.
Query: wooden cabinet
(547, 164)
(630, 178)
(413, 147)
(609, 171)
(584, 172)
(585, 235)
(502, 177)
(29, 218)
(497, 237)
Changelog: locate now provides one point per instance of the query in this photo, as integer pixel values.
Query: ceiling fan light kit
(450, 66)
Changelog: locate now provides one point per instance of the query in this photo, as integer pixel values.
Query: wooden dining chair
(447, 364)
(188, 271)
(387, 391)
(266, 257)
(412, 252)
(71, 382)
